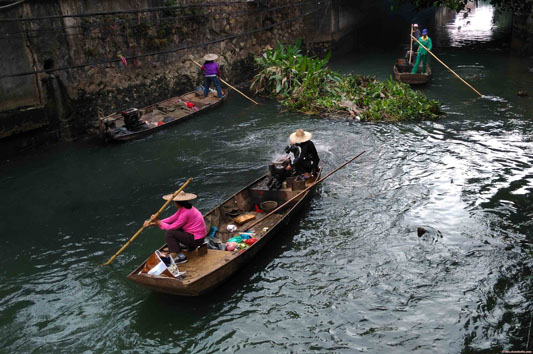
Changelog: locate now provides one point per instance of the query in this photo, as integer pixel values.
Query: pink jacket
(189, 220)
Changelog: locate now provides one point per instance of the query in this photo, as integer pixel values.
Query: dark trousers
(305, 166)
(214, 80)
(174, 237)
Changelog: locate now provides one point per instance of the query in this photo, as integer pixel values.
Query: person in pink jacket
(186, 226)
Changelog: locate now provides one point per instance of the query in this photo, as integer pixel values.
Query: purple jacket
(211, 68)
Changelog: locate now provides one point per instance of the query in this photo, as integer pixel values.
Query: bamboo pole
(227, 83)
(447, 67)
(144, 227)
(411, 49)
(303, 191)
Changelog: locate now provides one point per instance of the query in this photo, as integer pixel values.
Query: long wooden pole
(447, 67)
(144, 227)
(227, 84)
(411, 49)
(303, 191)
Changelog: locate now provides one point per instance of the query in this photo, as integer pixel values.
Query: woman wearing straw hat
(186, 226)
(212, 72)
(305, 155)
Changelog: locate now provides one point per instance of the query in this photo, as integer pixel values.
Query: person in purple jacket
(186, 226)
(212, 72)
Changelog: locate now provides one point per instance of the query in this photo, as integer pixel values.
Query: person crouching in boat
(305, 155)
(422, 52)
(186, 226)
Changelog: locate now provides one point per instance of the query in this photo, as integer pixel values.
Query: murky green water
(352, 275)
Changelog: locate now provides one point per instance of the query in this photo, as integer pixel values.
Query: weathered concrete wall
(18, 91)
(343, 23)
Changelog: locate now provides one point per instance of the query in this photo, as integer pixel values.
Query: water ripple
(350, 274)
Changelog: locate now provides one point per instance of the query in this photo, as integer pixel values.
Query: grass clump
(306, 85)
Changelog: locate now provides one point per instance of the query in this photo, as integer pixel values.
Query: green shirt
(427, 43)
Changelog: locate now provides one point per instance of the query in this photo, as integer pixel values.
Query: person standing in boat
(416, 33)
(305, 155)
(422, 52)
(212, 73)
(186, 226)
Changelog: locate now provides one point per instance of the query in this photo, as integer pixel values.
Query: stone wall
(109, 84)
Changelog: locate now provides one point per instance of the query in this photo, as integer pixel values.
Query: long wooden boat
(402, 73)
(158, 116)
(205, 272)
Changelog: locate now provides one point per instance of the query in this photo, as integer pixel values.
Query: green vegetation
(306, 85)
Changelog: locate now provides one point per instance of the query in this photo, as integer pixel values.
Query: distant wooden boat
(205, 272)
(402, 73)
(133, 123)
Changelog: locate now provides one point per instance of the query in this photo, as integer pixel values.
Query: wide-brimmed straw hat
(300, 136)
(181, 197)
(210, 57)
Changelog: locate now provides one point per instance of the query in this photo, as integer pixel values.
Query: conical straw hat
(181, 197)
(210, 57)
(300, 136)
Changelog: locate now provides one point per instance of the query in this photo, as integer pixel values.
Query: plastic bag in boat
(245, 236)
(230, 246)
(155, 266)
(250, 241)
(214, 245)
(235, 239)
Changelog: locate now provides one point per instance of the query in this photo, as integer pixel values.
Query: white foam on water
(494, 98)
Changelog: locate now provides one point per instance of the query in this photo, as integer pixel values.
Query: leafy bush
(306, 85)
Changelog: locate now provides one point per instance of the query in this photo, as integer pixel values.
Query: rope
(199, 45)
(11, 5)
(134, 11)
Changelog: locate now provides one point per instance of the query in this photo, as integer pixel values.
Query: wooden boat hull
(218, 265)
(118, 132)
(405, 76)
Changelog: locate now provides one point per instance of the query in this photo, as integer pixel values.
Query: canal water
(349, 275)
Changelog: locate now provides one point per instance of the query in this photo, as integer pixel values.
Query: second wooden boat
(402, 73)
(134, 123)
(204, 272)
